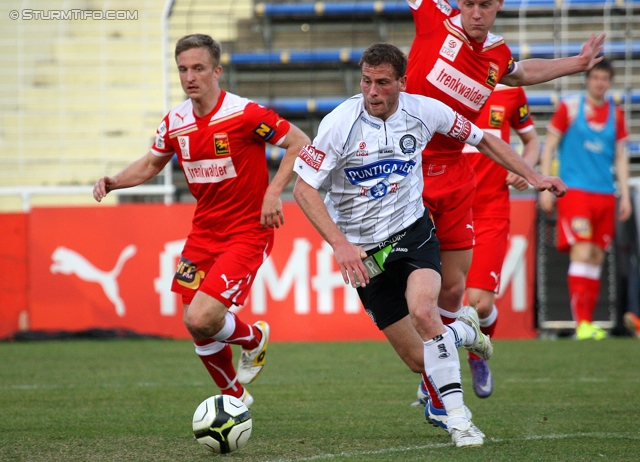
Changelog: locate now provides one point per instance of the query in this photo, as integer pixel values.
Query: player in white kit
(368, 157)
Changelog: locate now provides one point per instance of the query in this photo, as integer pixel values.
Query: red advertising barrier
(516, 300)
(111, 267)
(13, 260)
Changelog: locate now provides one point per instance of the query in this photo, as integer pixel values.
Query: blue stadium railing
(352, 55)
(275, 154)
(395, 7)
(325, 105)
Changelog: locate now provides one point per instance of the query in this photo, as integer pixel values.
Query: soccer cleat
(466, 435)
(252, 361)
(438, 417)
(481, 346)
(481, 377)
(587, 330)
(583, 331)
(632, 323)
(423, 396)
(598, 332)
(246, 398)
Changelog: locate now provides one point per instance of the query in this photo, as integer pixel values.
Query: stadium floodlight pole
(166, 13)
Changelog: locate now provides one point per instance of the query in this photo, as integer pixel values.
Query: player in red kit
(219, 139)
(506, 108)
(455, 59)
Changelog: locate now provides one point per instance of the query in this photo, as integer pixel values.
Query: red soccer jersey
(597, 117)
(223, 159)
(445, 64)
(506, 108)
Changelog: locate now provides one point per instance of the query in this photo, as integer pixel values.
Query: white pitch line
(442, 445)
(28, 387)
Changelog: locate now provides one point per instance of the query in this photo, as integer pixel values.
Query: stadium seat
(352, 55)
(333, 9)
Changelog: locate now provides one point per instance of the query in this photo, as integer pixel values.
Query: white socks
(442, 366)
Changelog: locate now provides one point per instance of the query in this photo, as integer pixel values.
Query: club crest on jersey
(264, 131)
(450, 48)
(183, 142)
(221, 144)
(408, 144)
(496, 116)
(492, 77)
(312, 157)
(523, 113)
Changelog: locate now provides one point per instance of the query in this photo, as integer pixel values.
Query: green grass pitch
(133, 400)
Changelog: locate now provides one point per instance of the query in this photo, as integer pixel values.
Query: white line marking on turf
(621, 436)
(102, 385)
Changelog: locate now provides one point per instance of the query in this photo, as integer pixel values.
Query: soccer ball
(222, 424)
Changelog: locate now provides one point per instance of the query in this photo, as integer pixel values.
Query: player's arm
(621, 164)
(530, 154)
(534, 71)
(551, 142)
(133, 174)
(348, 256)
(500, 152)
(272, 215)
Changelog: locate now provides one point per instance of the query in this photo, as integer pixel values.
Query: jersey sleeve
(265, 125)
(521, 119)
(559, 122)
(429, 14)
(621, 125)
(316, 161)
(448, 122)
(162, 144)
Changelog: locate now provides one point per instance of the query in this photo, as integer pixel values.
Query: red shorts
(492, 238)
(224, 272)
(585, 217)
(448, 194)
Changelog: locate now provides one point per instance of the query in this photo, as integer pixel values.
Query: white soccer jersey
(372, 169)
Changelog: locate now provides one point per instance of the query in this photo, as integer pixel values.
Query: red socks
(237, 332)
(583, 295)
(217, 358)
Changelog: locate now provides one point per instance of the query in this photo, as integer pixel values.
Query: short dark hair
(199, 41)
(385, 53)
(604, 65)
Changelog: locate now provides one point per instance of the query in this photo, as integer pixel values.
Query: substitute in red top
(590, 134)
(454, 58)
(219, 139)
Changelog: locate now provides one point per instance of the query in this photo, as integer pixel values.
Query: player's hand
(271, 215)
(591, 52)
(517, 181)
(553, 184)
(349, 258)
(102, 187)
(624, 209)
